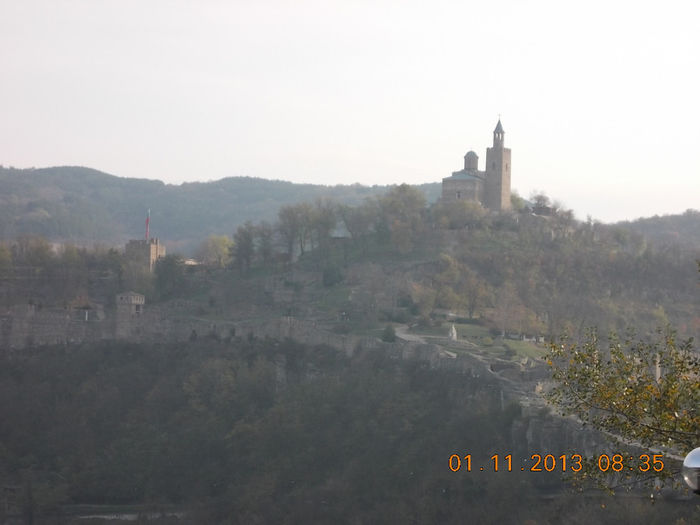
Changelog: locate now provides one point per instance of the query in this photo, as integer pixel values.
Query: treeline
(682, 229)
(400, 220)
(398, 217)
(265, 431)
(34, 271)
(85, 206)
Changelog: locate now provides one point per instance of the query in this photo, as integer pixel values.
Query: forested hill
(681, 229)
(84, 205)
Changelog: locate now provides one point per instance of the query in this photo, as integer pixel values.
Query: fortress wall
(24, 325)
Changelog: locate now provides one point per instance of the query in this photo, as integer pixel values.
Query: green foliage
(264, 236)
(170, 277)
(638, 391)
(517, 203)
(389, 334)
(215, 251)
(456, 215)
(124, 423)
(243, 247)
(291, 221)
(401, 214)
(265, 431)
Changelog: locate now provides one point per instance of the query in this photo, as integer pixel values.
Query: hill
(666, 230)
(84, 205)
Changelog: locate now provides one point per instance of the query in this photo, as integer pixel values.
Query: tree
(170, 276)
(507, 305)
(215, 251)
(459, 214)
(539, 199)
(402, 210)
(389, 334)
(264, 235)
(638, 391)
(304, 212)
(290, 225)
(323, 220)
(244, 246)
(447, 281)
(358, 222)
(517, 203)
(475, 291)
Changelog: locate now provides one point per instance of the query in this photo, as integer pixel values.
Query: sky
(599, 99)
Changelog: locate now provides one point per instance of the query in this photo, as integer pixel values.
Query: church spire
(498, 134)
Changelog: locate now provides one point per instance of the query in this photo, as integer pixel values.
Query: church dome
(471, 161)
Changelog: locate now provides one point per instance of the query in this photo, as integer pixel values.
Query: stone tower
(129, 309)
(497, 179)
(144, 253)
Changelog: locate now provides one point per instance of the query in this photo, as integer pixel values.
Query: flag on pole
(148, 220)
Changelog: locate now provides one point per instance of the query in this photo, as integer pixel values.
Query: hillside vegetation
(399, 260)
(683, 229)
(265, 431)
(84, 205)
(518, 274)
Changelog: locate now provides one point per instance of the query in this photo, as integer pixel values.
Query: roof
(499, 127)
(465, 175)
(131, 294)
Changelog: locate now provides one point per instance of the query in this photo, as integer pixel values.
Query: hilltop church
(490, 188)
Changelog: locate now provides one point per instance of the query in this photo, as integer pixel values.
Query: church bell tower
(497, 179)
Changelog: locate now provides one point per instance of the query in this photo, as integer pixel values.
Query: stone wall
(27, 325)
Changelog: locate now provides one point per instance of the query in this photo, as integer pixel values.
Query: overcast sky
(599, 99)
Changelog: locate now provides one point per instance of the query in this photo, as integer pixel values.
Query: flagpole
(148, 220)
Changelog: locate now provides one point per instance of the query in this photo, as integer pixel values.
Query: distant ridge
(682, 229)
(84, 205)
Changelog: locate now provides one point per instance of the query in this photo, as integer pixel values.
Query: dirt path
(402, 333)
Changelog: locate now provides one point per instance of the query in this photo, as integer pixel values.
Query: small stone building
(490, 188)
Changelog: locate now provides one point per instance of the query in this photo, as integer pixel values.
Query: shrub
(389, 334)
(332, 275)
